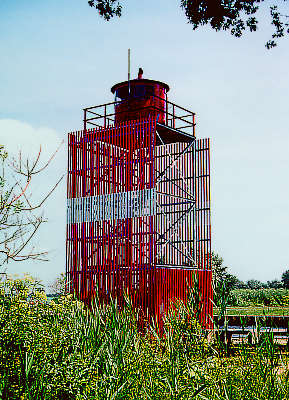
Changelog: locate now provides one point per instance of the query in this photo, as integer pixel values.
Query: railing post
(167, 119)
(84, 120)
(173, 116)
(194, 125)
(105, 116)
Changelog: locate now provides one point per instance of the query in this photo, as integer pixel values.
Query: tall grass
(65, 351)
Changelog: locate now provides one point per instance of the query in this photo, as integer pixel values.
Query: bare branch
(50, 159)
(36, 161)
(18, 223)
(46, 197)
(23, 191)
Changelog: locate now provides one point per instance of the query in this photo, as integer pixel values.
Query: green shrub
(258, 297)
(65, 351)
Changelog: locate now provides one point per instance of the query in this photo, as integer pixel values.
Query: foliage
(275, 284)
(233, 15)
(58, 286)
(223, 282)
(258, 297)
(219, 270)
(256, 310)
(254, 284)
(106, 8)
(65, 351)
(285, 279)
(19, 220)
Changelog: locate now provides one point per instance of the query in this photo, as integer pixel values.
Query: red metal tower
(139, 201)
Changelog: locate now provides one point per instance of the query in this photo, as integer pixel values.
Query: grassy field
(254, 310)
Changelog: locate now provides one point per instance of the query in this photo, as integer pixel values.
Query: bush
(65, 351)
(34, 335)
(258, 297)
(61, 350)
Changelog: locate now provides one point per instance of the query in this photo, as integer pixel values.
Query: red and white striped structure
(138, 201)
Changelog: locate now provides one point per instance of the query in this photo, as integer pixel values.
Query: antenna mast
(128, 70)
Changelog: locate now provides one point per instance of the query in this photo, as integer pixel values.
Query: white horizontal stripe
(105, 207)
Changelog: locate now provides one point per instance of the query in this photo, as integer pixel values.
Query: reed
(63, 350)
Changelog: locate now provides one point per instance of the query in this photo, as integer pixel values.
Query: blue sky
(59, 56)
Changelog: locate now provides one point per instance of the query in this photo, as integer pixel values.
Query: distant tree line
(222, 278)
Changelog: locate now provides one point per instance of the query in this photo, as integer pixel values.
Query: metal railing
(176, 117)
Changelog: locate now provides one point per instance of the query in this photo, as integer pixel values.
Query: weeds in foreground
(62, 350)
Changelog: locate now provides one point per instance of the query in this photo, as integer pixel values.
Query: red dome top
(140, 98)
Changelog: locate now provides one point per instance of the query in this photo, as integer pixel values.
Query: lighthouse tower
(138, 202)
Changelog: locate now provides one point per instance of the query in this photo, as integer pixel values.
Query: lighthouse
(138, 202)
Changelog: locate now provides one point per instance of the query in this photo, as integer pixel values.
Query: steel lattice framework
(139, 213)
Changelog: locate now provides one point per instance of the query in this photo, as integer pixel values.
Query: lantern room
(140, 98)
